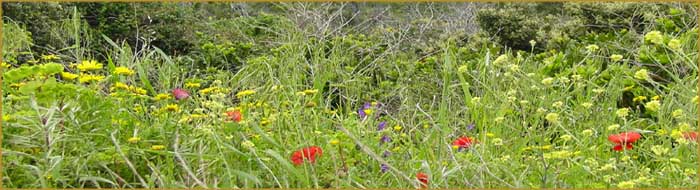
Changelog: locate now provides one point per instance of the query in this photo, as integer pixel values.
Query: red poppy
(464, 142)
(308, 153)
(626, 139)
(693, 136)
(235, 115)
(180, 94)
(423, 178)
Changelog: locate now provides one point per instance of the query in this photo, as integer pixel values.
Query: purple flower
(385, 139)
(361, 112)
(382, 125)
(470, 126)
(384, 168)
(386, 154)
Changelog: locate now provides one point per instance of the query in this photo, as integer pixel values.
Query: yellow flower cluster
(89, 65)
(123, 71)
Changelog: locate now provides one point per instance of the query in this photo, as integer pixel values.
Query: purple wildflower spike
(385, 139)
(382, 125)
(384, 168)
(470, 126)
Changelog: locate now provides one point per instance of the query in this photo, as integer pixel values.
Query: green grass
(84, 135)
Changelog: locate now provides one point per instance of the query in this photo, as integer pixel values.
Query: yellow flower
(367, 111)
(247, 144)
(68, 76)
(264, 122)
(626, 184)
(548, 81)
(87, 78)
(89, 65)
(123, 71)
(592, 48)
(677, 113)
(398, 127)
(462, 69)
(120, 85)
(497, 141)
(587, 132)
(653, 105)
(674, 44)
(172, 108)
(310, 92)
(245, 93)
(134, 139)
(4, 65)
(622, 112)
(562, 154)
(335, 142)
(566, 137)
(587, 105)
(6, 118)
(558, 104)
(552, 117)
(642, 74)
(162, 96)
(312, 104)
(659, 150)
(192, 85)
(655, 37)
(613, 127)
(639, 98)
(137, 90)
(696, 99)
(615, 57)
(490, 135)
(657, 97)
(157, 147)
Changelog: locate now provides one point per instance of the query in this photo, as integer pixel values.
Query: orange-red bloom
(308, 153)
(626, 139)
(235, 115)
(464, 142)
(692, 136)
(423, 178)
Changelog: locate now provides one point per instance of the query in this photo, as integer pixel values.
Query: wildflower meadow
(349, 95)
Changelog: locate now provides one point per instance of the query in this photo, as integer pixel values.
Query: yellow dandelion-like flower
(68, 76)
(615, 57)
(245, 93)
(137, 90)
(367, 111)
(192, 85)
(642, 74)
(622, 112)
(548, 81)
(157, 147)
(657, 97)
(490, 135)
(678, 113)
(89, 65)
(162, 96)
(88, 78)
(310, 92)
(172, 108)
(592, 48)
(123, 71)
(398, 127)
(552, 117)
(674, 44)
(119, 85)
(639, 98)
(134, 140)
(653, 105)
(334, 142)
(655, 37)
(613, 127)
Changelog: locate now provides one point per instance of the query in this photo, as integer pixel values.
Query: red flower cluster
(423, 178)
(309, 153)
(626, 139)
(235, 115)
(464, 142)
(692, 136)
